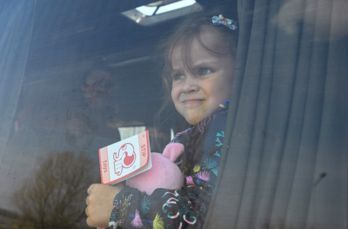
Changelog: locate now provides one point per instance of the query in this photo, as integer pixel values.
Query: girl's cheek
(176, 88)
(172, 93)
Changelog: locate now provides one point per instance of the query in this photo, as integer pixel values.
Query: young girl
(199, 67)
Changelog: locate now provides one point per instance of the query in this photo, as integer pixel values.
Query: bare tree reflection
(55, 196)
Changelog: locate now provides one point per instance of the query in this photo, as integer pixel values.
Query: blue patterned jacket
(186, 207)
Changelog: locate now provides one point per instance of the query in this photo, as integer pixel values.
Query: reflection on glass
(54, 195)
(89, 77)
(146, 10)
(175, 6)
(127, 132)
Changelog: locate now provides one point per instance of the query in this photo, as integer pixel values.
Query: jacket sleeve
(162, 209)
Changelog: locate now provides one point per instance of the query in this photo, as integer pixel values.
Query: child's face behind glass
(198, 93)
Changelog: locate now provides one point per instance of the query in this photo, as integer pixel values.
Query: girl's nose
(190, 84)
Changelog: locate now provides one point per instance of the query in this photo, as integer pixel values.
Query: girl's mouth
(192, 101)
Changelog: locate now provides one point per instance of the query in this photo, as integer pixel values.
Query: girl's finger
(89, 223)
(86, 211)
(87, 200)
(90, 189)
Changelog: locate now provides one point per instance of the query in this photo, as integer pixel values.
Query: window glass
(77, 76)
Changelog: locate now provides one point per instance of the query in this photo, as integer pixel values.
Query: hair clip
(220, 20)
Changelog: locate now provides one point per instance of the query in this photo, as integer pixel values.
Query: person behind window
(93, 117)
(198, 74)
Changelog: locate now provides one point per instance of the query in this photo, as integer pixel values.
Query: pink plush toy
(164, 172)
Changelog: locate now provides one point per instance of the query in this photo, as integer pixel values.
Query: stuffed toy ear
(173, 151)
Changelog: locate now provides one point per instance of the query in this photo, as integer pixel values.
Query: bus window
(255, 92)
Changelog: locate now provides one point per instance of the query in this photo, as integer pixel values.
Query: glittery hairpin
(220, 20)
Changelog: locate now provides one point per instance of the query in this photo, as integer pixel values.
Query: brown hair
(189, 29)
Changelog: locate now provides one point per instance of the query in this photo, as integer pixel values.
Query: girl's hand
(100, 203)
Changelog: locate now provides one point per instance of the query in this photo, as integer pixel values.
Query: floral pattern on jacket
(186, 207)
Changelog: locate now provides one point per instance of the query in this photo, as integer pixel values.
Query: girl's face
(196, 93)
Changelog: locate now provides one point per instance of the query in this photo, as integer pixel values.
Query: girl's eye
(204, 71)
(178, 76)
